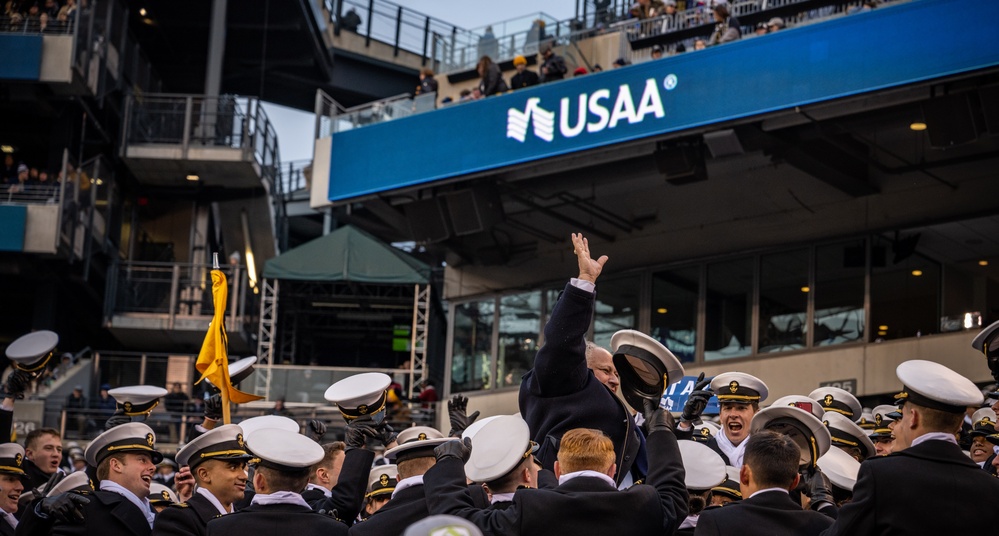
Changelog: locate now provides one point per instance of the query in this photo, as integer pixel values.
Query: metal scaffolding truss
(418, 345)
(266, 335)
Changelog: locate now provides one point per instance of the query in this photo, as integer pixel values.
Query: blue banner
(676, 396)
(13, 219)
(859, 53)
(22, 57)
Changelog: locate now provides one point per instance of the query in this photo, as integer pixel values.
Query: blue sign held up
(676, 396)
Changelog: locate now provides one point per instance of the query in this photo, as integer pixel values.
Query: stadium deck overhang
(278, 51)
(836, 167)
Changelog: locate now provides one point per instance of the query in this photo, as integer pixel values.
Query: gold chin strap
(815, 451)
(223, 453)
(37, 367)
(129, 447)
(145, 412)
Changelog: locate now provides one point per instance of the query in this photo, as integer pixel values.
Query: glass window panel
(472, 349)
(729, 310)
(674, 310)
(839, 293)
(616, 308)
(783, 300)
(519, 324)
(905, 290)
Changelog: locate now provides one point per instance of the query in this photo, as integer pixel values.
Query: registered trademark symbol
(670, 82)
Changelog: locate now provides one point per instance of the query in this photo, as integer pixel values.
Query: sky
(295, 128)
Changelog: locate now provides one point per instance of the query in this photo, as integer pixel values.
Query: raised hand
(457, 412)
(183, 482)
(315, 430)
(589, 269)
(457, 448)
(697, 400)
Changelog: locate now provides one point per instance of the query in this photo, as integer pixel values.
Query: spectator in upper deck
(726, 26)
(523, 78)
(428, 84)
(492, 82)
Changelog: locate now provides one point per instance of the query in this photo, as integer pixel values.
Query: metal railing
(701, 16)
(31, 193)
(176, 290)
(295, 175)
(199, 121)
(36, 25)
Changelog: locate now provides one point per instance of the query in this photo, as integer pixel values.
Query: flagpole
(226, 417)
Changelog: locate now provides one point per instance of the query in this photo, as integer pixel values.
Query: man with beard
(218, 462)
(739, 396)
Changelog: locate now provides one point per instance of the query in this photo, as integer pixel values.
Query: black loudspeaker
(681, 164)
(989, 97)
(426, 221)
(949, 121)
(474, 210)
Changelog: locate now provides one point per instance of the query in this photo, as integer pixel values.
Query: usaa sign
(746, 78)
(589, 113)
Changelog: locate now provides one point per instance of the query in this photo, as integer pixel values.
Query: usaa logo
(590, 112)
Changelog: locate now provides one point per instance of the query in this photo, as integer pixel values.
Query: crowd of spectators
(19, 181)
(39, 16)
(664, 16)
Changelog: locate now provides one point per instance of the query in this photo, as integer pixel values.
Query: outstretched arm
(560, 366)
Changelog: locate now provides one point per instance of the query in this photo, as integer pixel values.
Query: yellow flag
(213, 360)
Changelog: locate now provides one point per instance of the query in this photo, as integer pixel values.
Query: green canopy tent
(348, 298)
(348, 254)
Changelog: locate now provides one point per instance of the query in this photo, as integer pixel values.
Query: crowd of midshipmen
(591, 452)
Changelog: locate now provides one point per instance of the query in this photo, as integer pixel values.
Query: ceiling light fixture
(806, 289)
(662, 310)
(193, 177)
(917, 273)
(983, 262)
(917, 126)
(142, 11)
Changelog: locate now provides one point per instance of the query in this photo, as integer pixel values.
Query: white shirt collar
(757, 492)
(280, 497)
(9, 517)
(143, 503)
(501, 497)
(213, 499)
(689, 522)
(939, 436)
(408, 483)
(325, 491)
(586, 472)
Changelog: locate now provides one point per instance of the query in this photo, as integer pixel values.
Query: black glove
(388, 435)
(65, 507)
(457, 448)
(315, 430)
(457, 411)
(17, 383)
(819, 491)
(213, 407)
(116, 420)
(656, 418)
(358, 431)
(697, 400)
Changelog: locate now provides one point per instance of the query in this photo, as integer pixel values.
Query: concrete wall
(872, 365)
(57, 58)
(40, 231)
